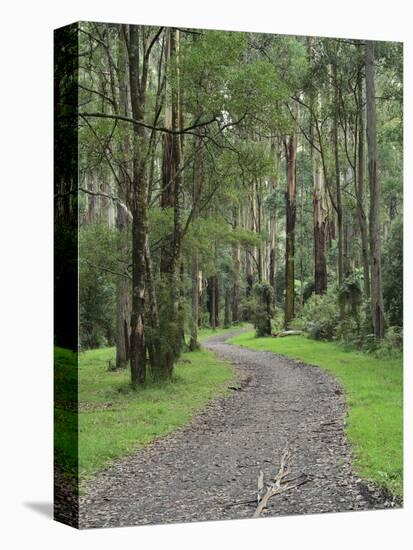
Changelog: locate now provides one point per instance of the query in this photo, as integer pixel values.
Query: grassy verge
(374, 390)
(114, 420)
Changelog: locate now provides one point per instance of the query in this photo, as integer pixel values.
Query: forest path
(207, 470)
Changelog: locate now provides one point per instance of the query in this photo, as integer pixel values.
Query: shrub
(319, 316)
(247, 309)
(392, 343)
(350, 293)
(393, 274)
(264, 309)
(347, 330)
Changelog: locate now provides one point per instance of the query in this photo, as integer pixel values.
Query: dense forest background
(232, 177)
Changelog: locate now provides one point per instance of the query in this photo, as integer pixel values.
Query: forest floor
(209, 469)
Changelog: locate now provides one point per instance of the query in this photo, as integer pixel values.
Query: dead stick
(272, 492)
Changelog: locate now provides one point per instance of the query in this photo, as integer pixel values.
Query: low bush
(264, 309)
(319, 317)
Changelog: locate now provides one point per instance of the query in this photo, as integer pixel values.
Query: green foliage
(348, 332)
(247, 308)
(309, 288)
(259, 308)
(280, 283)
(97, 285)
(319, 316)
(248, 80)
(392, 344)
(350, 293)
(393, 274)
(97, 310)
(275, 201)
(374, 394)
(167, 339)
(264, 310)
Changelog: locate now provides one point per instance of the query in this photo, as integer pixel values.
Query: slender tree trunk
(346, 246)
(258, 227)
(153, 343)
(320, 230)
(123, 304)
(193, 343)
(123, 285)
(168, 166)
(197, 175)
(139, 230)
(171, 197)
(249, 253)
(302, 243)
(139, 210)
(377, 312)
(249, 272)
(227, 308)
(200, 297)
(216, 300)
(320, 226)
(212, 313)
(273, 256)
(236, 259)
(361, 214)
(290, 154)
(320, 204)
(273, 227)
(339, 207)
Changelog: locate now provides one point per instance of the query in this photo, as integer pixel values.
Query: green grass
(115, 420)
(65, 417)
(374, 390)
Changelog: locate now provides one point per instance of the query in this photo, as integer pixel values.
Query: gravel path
(209, 470)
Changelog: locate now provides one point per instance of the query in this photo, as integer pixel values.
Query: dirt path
(208, 469)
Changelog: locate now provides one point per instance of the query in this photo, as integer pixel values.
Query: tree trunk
(290, 154)
(123, 304)
(346, 246)
(249, 252)
(273, 263)
(377, 314)
(123, 285)
(258, 214)
(320, 200)
(200, 297)
(154, 342)
(216, 300)
(212, 303)
(249, 272)
(320, 227)
(339, 207)
(172, 198)
(168, 166)
(227, 308)
(272, 275)
(302, 243)
(236, 258)
(361, 214)
(139, 210)
(197, 177)
(193, 343)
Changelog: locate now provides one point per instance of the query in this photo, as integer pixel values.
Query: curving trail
(209, 470)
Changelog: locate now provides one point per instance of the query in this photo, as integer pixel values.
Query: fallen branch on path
(276, 487)
(283, 333)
